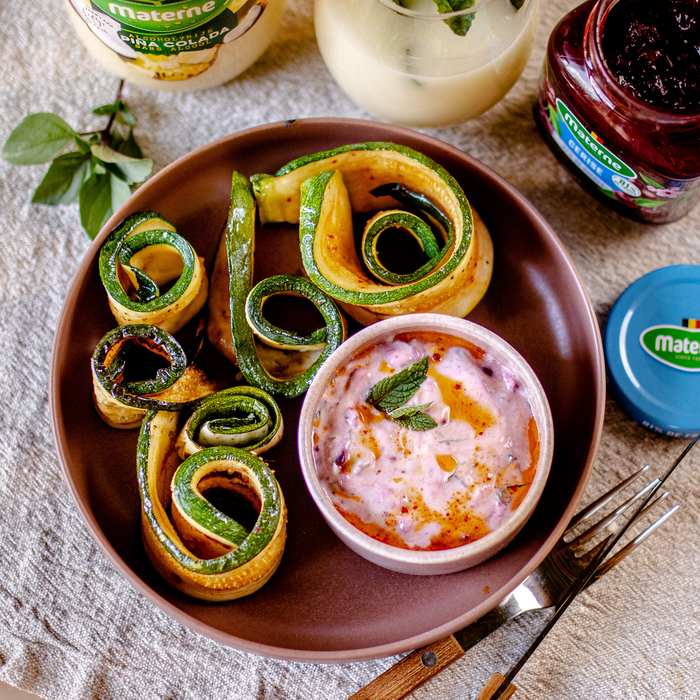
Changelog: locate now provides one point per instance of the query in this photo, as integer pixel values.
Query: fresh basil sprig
(460, 25)
(391, 393)
(98, 175)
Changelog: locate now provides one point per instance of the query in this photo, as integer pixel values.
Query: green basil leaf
(126, 116)
(95, 203)
(420, 421)
(129, 147)
(38, 138)
(138, 169)
(63, 180)
(114, 169)
(134, 169)
(115, 141)
(394, 391)
(82, 144)
(120, 192)
(104, 110)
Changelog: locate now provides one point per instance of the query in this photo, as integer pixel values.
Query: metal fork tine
(631, 546)
(608, 519)
(584, 559)
(605, 498)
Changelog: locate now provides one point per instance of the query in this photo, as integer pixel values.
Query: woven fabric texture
(71, 628)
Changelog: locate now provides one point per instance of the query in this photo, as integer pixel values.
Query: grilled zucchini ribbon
(242, 416)
(244, 311)
(200, 550)
(122, 401)
(140, 256)
(323, 191)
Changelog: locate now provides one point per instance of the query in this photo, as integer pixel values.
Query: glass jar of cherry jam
(619, 103)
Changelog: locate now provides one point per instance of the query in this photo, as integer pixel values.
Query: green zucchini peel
(110, 361)
(240, 233)
(410, 223)
(185, 495)
(141, 239)
(280, 337)
(242, 416)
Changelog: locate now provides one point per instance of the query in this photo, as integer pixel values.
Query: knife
(421, 665)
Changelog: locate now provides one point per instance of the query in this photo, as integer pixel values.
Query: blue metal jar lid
(652, 350)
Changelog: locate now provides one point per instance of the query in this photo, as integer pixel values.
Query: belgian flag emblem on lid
(691, 323)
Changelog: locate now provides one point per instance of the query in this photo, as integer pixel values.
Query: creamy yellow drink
(407, 66)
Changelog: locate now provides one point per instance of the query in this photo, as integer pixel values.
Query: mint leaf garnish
(459, 25)
(394, 391)
(406, 411)
(421, 421)
(99, 174)
(391, 393)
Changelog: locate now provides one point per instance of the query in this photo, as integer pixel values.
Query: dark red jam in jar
(619, 103)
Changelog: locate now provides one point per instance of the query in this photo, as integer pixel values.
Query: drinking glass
(409, 64)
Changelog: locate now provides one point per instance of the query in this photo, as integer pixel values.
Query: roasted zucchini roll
(140, 367)
(195, 546)
(141, 256)
(323, 191)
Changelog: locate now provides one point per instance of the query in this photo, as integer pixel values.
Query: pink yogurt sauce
(432, 489)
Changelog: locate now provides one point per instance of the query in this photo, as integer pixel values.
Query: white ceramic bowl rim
(491, 343)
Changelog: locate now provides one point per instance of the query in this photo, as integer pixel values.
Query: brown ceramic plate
(325, 603)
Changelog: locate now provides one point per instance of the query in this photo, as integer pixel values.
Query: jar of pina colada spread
(619, 103)
(176, 44)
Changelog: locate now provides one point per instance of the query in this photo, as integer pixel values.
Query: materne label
(590, 155)
(177, 16)
(675, 346)
(173, 41)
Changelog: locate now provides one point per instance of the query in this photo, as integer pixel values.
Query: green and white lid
(652, 349)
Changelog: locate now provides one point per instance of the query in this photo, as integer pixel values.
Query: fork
(544, 588)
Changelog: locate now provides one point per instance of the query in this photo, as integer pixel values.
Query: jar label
(173, 41)
(611, 175)
(677, 346)
(587, 151)
(173, 17)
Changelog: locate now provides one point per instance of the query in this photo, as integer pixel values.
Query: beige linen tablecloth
(72, 628)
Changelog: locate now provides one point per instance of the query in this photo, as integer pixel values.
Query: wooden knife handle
(412, 671)
(492, 685)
